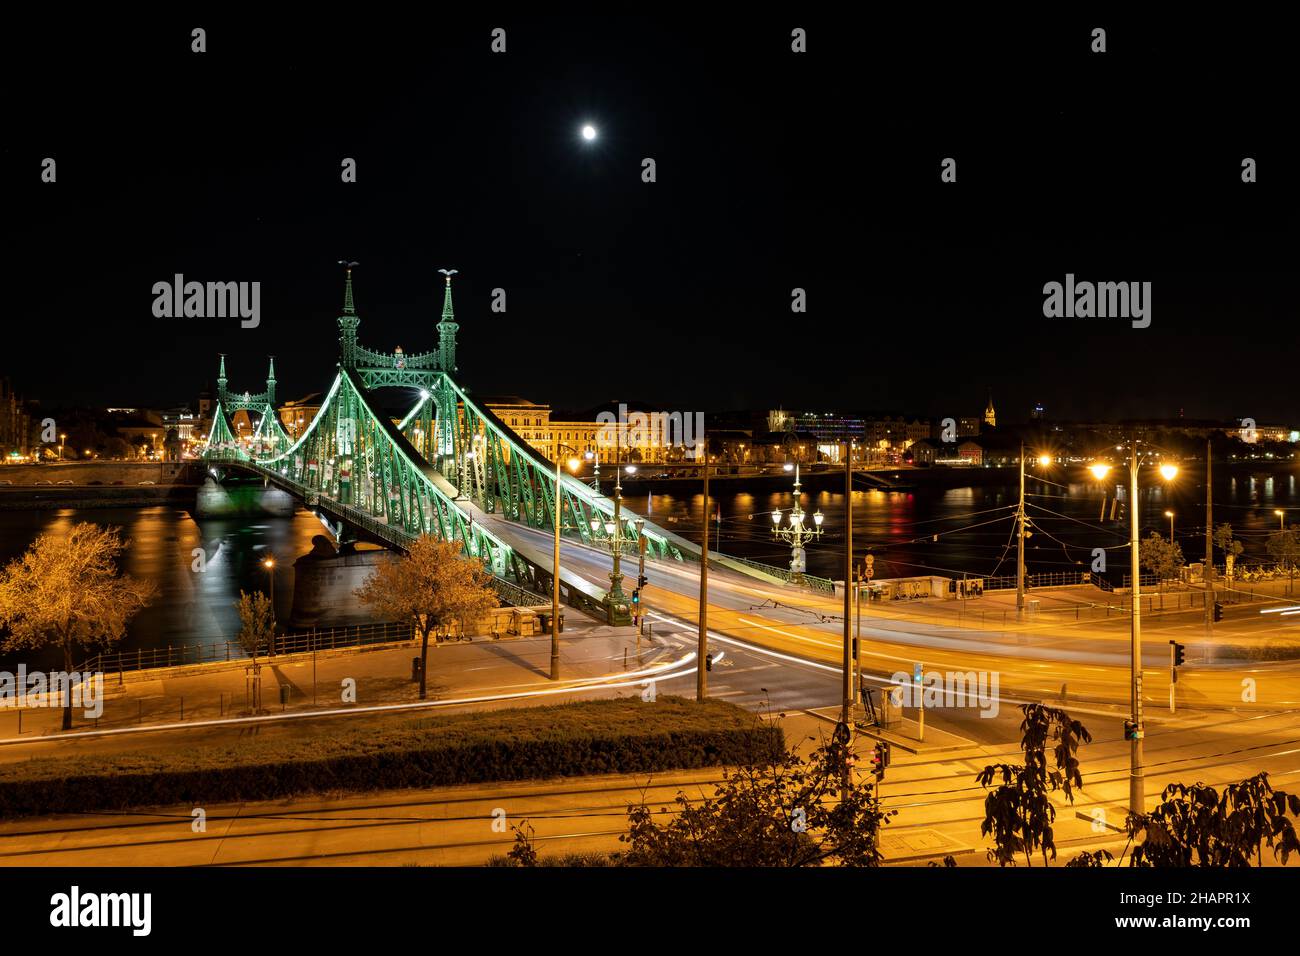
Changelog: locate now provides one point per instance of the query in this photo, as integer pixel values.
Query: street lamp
(62, 439)
(1170, 516)
(555, 563)
(269, 564)
(1133, 728)
(616, 604)
(797, 533)
(1281, 520)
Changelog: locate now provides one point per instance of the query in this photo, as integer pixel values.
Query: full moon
(589, 132)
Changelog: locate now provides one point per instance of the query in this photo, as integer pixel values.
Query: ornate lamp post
(796, 532)
(616, 603)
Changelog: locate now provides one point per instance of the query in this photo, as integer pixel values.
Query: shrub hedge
(624, 735)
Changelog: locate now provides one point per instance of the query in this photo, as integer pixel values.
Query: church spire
(447, 328)
(990, 415)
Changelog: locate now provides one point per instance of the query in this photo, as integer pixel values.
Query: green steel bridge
(448, 468)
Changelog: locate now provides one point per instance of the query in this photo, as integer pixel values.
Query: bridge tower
(348, 323)
(270, 384)
(221, 381)
(447, 329)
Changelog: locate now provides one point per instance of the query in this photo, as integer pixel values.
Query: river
(939, 530)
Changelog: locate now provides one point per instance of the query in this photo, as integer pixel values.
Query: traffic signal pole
(846, 708)
(1020, 540)
(702, 649)
(1209, 548)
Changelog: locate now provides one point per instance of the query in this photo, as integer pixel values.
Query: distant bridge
(449, 468)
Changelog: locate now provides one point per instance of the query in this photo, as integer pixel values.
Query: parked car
(146, 482)
(67, 481)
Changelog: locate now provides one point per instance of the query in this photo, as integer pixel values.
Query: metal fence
(294, 642)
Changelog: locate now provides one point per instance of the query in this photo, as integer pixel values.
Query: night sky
(775, 170)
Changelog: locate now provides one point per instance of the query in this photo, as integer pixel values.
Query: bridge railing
(784, 574)
(509, 592)
(516, 596)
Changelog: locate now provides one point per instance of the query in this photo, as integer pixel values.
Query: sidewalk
(364, 676)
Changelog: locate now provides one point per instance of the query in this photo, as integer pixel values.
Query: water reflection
(169, 547)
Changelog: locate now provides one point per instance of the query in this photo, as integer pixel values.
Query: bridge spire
(221, 380)
(447, 328)
(270, 384)
(348, 322)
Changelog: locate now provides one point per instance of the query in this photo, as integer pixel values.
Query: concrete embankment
(93, 484)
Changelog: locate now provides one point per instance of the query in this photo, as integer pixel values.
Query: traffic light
(1179, 655)
(885, 751)
(1218, 610)
(1131, 731)
(708, 662)
(641, 581)
(879, 760)
(636, 596)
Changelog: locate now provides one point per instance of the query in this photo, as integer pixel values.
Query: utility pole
(846, 708)
(1020, 543)
(1137, 785)
(702, 649)
(640, 586)
(1209, 545)
(555, 575)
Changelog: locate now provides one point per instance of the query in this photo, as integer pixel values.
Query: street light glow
(1167, 472)
(1099, 471)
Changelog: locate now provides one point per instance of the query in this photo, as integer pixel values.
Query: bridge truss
(448, 468)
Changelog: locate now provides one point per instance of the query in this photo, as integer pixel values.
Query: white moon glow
(589, 132)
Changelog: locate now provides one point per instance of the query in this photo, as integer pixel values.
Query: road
(1088, 661)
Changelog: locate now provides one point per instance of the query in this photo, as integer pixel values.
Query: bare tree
(67, 592)
(256, 631)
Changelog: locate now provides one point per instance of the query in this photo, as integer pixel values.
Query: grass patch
(624, 735)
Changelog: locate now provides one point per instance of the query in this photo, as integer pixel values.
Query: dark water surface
(973, 524)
